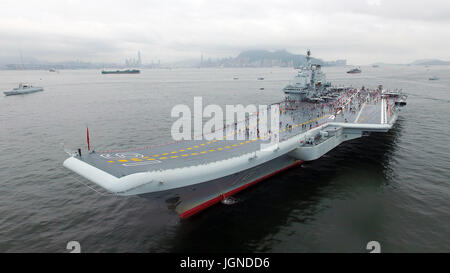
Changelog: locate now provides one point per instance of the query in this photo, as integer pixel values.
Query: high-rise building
(133, 61)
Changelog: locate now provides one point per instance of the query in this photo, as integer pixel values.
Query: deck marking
(363, 118)
(136, 159)
(359, 114)
(140, 163)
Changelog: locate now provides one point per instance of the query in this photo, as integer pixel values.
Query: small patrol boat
(23, 89)
(354, 71)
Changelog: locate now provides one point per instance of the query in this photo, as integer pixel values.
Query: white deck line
(359, 114)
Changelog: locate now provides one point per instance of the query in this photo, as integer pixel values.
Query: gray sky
(362, 32)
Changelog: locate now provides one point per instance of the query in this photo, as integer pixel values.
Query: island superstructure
(192, 175)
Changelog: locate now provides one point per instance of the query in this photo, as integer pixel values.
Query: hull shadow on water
(296, 196)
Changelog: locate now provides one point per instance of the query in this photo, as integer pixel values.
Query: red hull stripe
(217, 199)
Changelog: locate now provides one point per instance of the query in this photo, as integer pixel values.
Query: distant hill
(265, 58)
(430, 62)
(283, 57)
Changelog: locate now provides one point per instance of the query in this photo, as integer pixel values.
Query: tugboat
(433, 78)
(354, 71)
(23, 89)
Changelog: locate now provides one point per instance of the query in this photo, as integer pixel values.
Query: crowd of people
(307, 114)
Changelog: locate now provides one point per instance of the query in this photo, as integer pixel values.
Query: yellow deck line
(209, 142)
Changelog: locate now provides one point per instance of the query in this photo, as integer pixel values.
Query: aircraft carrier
(192, 175)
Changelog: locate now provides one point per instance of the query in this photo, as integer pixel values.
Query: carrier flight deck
(192, 175)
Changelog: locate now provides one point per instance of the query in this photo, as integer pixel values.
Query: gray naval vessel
(192, 175)
(23, 89)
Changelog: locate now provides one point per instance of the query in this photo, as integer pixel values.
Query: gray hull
(187, 201)
(23, 92)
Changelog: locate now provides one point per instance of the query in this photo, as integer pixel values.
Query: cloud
(360, 31)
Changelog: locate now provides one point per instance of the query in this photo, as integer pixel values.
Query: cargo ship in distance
(128, 71)
(190, 176)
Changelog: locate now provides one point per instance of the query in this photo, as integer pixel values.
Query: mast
(308, 60)
(308, 57)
